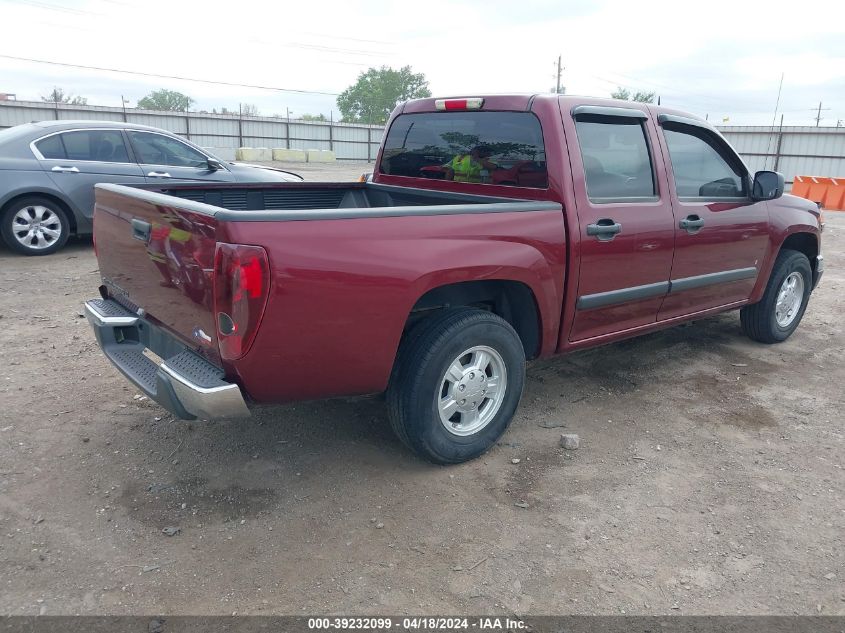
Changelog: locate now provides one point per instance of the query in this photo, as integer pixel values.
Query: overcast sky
(714, 57)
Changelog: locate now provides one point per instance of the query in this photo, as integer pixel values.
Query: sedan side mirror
(214, 164)
(768, 185)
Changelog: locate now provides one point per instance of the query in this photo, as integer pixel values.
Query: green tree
(57, 95)
(639, 95)
(372, 98)
(166, 100)
(313, 117)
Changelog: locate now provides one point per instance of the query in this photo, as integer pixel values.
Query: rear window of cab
(497, 148)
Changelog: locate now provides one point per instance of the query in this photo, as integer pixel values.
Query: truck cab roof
(527, 101)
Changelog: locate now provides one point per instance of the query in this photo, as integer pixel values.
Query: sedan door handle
(65, 170)
(692, 223)
(158, 174)
(605, 229)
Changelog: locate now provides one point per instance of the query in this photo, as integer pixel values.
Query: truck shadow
(316, 452)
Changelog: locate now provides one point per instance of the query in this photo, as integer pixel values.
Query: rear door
(164, 158)
(625, 220)
(78, 159)
(721, 234)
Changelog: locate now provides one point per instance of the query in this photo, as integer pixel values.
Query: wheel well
(71, 218)
(511, 300)
(803, 243)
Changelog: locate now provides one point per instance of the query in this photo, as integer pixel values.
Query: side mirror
(214, 164)
(768, 185)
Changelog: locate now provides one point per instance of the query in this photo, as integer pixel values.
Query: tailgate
(156, 253)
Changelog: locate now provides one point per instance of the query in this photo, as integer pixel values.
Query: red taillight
(241, 288)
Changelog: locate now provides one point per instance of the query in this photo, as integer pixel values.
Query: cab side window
(702, 165)
(616, 157)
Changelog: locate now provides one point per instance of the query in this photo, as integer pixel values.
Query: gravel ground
(709, 479)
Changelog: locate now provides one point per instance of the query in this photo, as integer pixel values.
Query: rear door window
(51, 147)
(104, 146)
(616, 157)
(497, 148)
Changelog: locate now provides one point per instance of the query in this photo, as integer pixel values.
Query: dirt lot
(709, 480)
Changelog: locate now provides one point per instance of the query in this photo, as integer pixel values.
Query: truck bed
(303, 201)
(341, 258)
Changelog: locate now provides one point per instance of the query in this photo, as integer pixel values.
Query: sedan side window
(104, 146)
(702, 166)
(156, 149)
(51, 147)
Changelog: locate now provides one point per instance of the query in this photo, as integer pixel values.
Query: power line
(177, 77)
(300, 45)
(53, 7)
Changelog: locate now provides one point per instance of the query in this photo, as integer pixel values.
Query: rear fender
(483, 263)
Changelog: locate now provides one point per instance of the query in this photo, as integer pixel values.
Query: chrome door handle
(65, 170)
(158, 174)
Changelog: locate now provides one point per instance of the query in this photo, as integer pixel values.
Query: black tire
(424, 356)
(759, 321)
(61, 224)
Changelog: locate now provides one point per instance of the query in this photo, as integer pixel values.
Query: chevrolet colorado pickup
(561, 223)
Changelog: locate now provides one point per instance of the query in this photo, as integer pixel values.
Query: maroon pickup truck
(495, 229)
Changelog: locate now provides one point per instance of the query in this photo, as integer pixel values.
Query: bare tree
(640, 95)
(58, 95)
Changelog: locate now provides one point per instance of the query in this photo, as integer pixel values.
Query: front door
(625, 221)
(77, 160)
(165, 159)
(721, 234)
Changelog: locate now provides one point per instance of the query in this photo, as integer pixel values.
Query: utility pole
(779, 145)
(558, 89)
(818, 116)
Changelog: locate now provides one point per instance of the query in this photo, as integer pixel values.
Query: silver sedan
(48, 171)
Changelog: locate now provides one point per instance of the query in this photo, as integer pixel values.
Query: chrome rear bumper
(185, 384)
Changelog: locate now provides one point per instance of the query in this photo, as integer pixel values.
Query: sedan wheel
(35, 226)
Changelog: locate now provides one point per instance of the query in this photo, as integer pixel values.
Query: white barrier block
(290, 155)
(261, 154)
(321, 156)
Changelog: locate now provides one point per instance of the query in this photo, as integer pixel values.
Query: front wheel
(776, 316)
(34, 226)
(456, 385)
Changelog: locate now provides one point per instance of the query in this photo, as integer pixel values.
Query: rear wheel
(456, 385)
(35, 226)
(776, 316)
